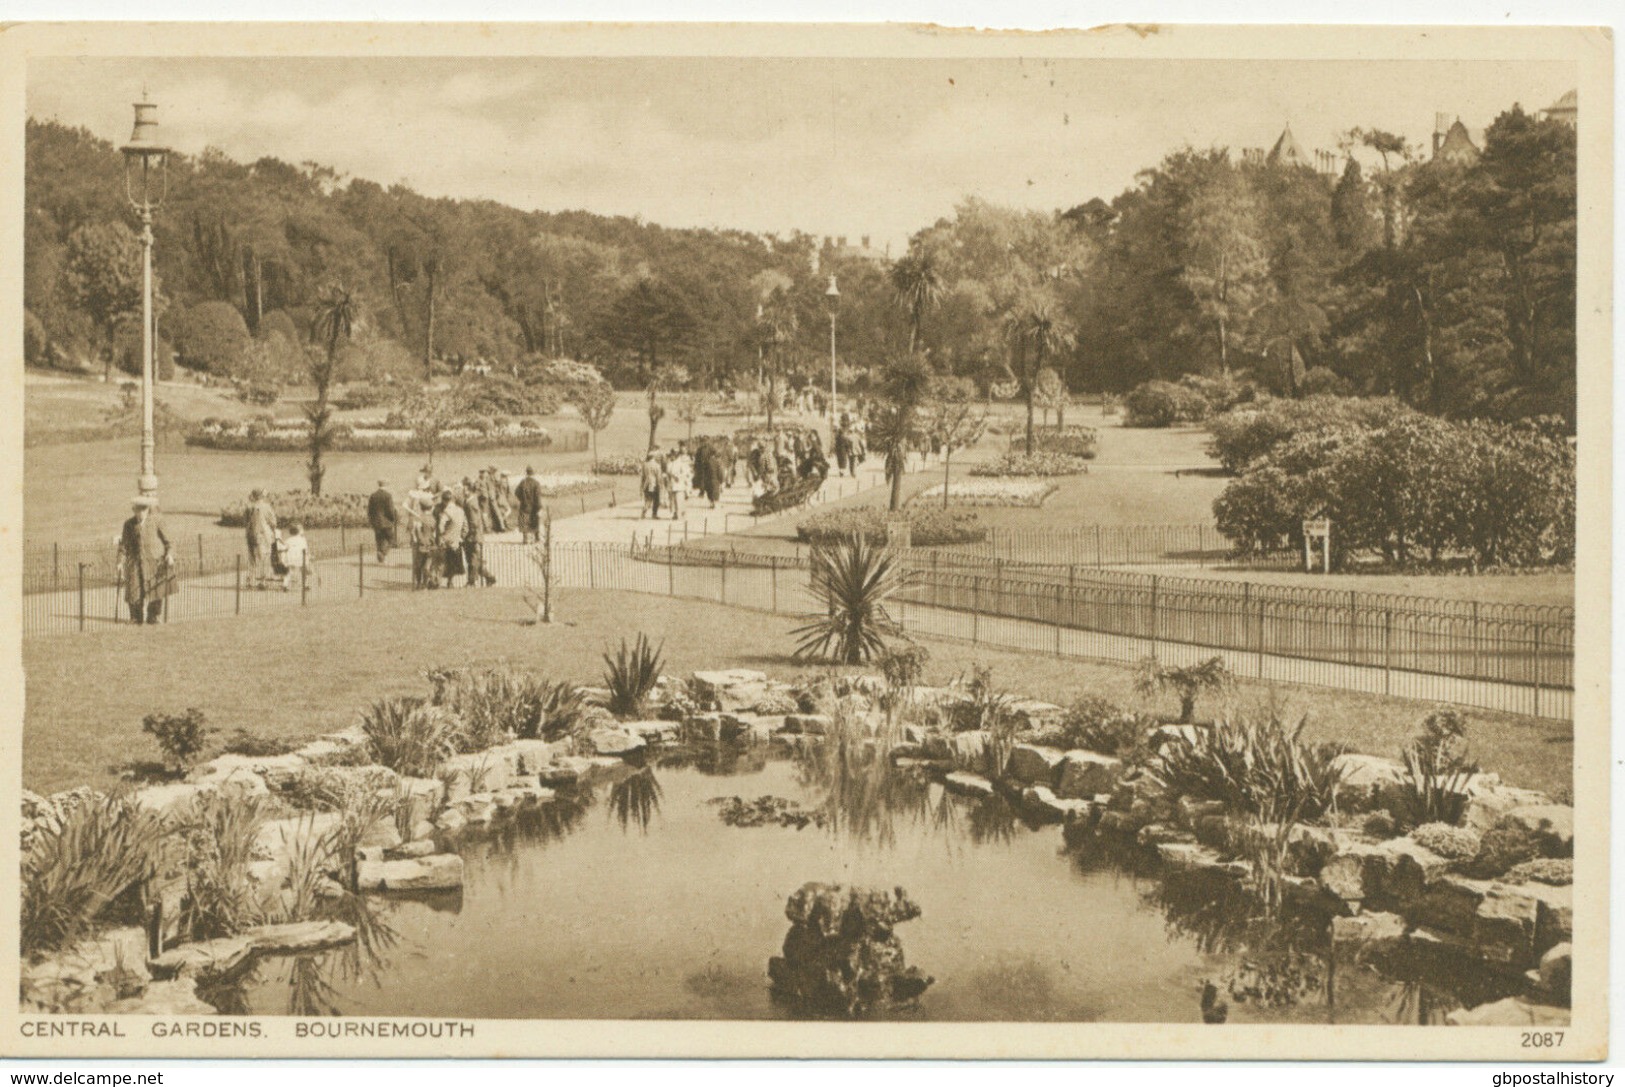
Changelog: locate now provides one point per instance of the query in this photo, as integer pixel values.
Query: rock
(1504, 926)
(1031, 764)
(451, 821)
(278, 836)
(1451, 903)
(808, 724)
(654, 732)
(1166, 734)
(300, 936)
(1124, 795)
(1554, 920)
(1511, 1012)
(1157, 833)
(1368, 782)
(1553, 824)
(436, 872)
(65, 979)
(841, 957)
(1486, 807)
(614, 741)
(383, 833)
(1041, 802)
(1190, 856)
(171, 799)
(241, 782)
(412, 849)
(1556, 971)
(913, 734)
(1395, 871)
(731, 689)
(422, 796)
(968, 784)
(1030, 714)
(422, 830)
(476, 809)
(1351, 934)
(1085, 773)
(168, 998)
(566, 770)
(479, 771)
(209, 958)
(1192, 811)
(702, 728)
(751, 728)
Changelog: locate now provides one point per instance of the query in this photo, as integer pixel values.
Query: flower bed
(325, 511)
(1074, 441)
(927, 527)
(1032, 464)
(262, 436)
(991, 492)
(618, 464)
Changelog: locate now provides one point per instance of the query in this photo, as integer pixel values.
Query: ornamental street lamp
(832, 299)
(146, 183)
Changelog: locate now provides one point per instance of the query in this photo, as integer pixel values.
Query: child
(295, 555)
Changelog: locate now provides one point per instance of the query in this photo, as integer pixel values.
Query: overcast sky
(851, 147)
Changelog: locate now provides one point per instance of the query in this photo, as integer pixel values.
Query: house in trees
(1565, 110)
(1452, 144)
(1288, 153)
(836, 251)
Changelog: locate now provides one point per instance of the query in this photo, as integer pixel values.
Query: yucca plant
(1187, 683)
(853, 579)
(631, 675)
(560, 708)
(410, 736)
(101, 851)
(1437, 771)
(220, 899)
(312, 854)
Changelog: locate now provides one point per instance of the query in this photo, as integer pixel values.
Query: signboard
(1317, 529)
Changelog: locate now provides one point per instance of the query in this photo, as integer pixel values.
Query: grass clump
(89, 865)
(631, 675)
(409, 735)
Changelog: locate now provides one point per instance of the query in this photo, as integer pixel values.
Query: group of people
(776, 463)
(851, 442)
(273, 558)
(666, 479)
(447, 526)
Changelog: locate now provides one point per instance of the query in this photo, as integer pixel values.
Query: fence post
(1059, 595)
(361, 570)
(724, 593)
(56, 569)
(976, 607)
(1388, 651)
(1475, 639)
(592, 577)
(237, 602)
(671, 576)
(1537, 669)
(1154, 616)
(1354, 626)
(82, 598)
(200, 552)
(304, 586)
(344, 538)
(1260, 639)
(773, 568)
(1100, 558)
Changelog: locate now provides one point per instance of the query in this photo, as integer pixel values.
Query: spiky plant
(409, 736)
(853, 579)
(1153, 678)
(220, 833)
(75, 869)
(631, 675)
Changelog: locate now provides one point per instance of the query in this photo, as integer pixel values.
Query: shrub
(1504, 847)
(36, 341)
(219, 898)
(1557, 871)
(928, 527)
(364, 396)
(1437, 770)
(1069, 441)
(1248, 432)
(631, 676)
(83, 867)
(1029, 493)
(1221, 393)
(279, 323)
(254, 745)
(1324, 381)
(1098, 724)
(1163, 404)
(1258, 767)
(181, 737)
(621, 464)
(210, 336)
(1032, 464)
(410, 736)
(852, 580)
(496, 703)
(1450, 842)
(260, 395)
(327, 510)
(503, 394)
(1153, 678)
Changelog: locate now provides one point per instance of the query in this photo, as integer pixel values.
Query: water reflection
(635, 799)
(715, 759)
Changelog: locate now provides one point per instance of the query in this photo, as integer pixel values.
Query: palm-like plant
(854, 579)
(1037, 329)
(917, 278)
(778, 325)
(631, 675)
(335, 320)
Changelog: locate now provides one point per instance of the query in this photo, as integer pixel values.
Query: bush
(1098, 724)
(364, 396)
(928, 526)
(1071, 441)
(181, 737)
(495, 704)
(620, 464)
(503, 394)
(253, 745)
(84, 866)
(1437, 770)
(410, 736)
(1259, 768)
(1450, 842)
(1032, 464)
(324, 511)
(36, 341)
(279, 323)
(1248, 432)
(1221, 393)
(1163, 404)
(1323, 381)
(468, 435)
(209, 336)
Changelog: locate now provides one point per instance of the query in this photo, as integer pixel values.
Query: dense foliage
(1032, 464)
(928, 526)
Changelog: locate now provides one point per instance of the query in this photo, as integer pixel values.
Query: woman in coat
(145, 564)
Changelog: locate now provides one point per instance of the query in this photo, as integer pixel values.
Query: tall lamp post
(146, 183)
(832, 300)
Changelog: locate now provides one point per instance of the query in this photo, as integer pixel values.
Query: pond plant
(86, 865)
(1437, 772)
(631, 675)
(853, 579)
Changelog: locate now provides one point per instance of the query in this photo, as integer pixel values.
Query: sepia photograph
(710, 541)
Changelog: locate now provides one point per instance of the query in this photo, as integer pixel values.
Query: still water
(637, 901)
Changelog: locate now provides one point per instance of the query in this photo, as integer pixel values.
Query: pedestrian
(650, 482)
(382, 517)
(425, 478)
(680, 477)
(502, 498)
(475, 509)
(843, 449)
(451, 525)
(419, 510)
(296, 556)
(529, 496)
(260, 527)
(146, 565)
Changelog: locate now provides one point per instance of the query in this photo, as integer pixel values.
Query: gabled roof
(1286, 151)
(1458, 146)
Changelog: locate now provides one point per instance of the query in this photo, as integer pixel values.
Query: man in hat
(260, 528)
(452, 525)
(145, 564)
(382, 517)
(529, 496)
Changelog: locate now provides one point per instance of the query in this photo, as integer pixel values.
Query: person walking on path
(146, 565)
(679, 479)
(501, 501)
(382, 517)
(260, 527)
(451, 525)
(650, 480)
(419, 511)
(296, 555)
(529, 497)
(475, 507)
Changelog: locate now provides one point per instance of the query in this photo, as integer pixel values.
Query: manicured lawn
(301, 672)
(1551, 588)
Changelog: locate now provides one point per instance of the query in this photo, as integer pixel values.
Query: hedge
(326, 511)
(927, 527)
(1016, 463)
(1073, 441)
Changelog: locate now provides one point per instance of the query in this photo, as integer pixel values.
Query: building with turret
(1452, 143)
(1288, 153)
(836, 250)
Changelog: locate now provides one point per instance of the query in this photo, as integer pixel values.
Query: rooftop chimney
(1441, 125)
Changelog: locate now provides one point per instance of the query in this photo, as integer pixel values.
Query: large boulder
(614, 741)
(1086, 774)
(1362, 932)
(733, 689)
(1394, 872)
(1450, 903)
(1031, 764)
(1504, 927)
(1488, 806)
(437, 872)
(1368, 782)
(1032, 715)
(1510, 1012)
(841, 958)
(968, 784)
(1555, 973)
(1551, 824)
(1041, 803)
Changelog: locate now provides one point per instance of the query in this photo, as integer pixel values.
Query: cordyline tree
(594, 401)
(894, 420)
(917, 278)
(335, 320)
(1036, 329)
(954, 419)
(777, 324)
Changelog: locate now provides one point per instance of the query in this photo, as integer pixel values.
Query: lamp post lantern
(146, 183)
(832, 299)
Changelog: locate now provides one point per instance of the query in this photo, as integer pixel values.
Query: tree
(777, 323)
(102, 273)
(904, 388)
(429, 412)
(335, 319)
(953, 419)
(210, 336)
(595, 402)
(1225, 264)
(1036, 329)
(917, 278)
(1352, 222)
(688, 409)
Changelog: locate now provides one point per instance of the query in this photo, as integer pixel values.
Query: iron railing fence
(1501, 664)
